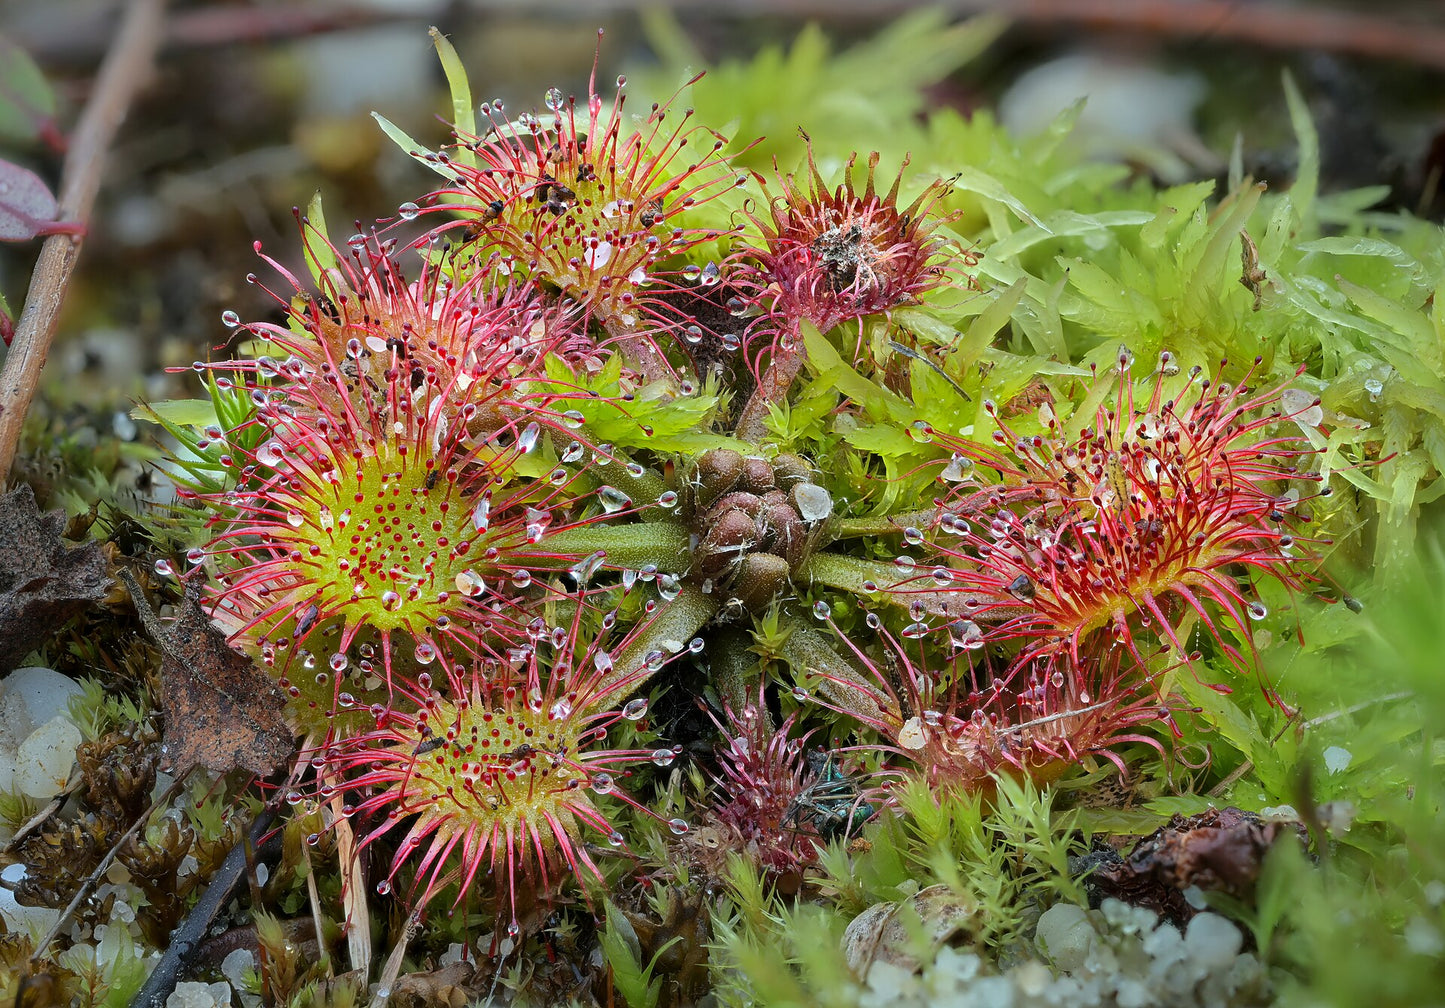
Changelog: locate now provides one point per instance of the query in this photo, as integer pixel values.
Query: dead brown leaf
(1219, 850)
(221, 711)
(451, 986)
(42, 582)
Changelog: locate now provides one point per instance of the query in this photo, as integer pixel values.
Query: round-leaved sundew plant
(384, 505)
(503, 771)
(1142, 524)
(761, 809)
(579, 201)
(826, 257)
(960, 720)
(1068, 581)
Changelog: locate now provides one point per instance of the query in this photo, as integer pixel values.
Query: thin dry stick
(104, 866)
(353, 890)
(127, 65)
(39, 819)
(394, 962)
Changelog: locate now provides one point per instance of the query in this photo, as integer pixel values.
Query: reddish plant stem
(772, 391)
(125, 68)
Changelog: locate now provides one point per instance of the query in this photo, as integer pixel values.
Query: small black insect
(523, 751)
(307, 619)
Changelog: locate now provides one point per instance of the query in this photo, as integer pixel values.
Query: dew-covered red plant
(499, 769)
(826, 256)
(761, 808)
(586, 204)
(384, 505)
(1153, 518)
(958, 721)
(467, 431)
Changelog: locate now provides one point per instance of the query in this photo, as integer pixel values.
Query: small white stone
(1134, 993)
(1337, 759)
(235, 968)
(193, 994)
(1065, 936)
(1031, 978)
(1423, 938)
(992, 992)
(888, 979)
(29, 697)
(43, 762)
(1164, 945)
(1212, 941)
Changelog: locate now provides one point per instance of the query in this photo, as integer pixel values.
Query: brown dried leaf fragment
(1253, 276)
(453, 986)
(42, 583)
(1219, 850)
(221, 712)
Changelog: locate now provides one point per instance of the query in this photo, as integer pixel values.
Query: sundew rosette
(956, 715)
(830, 255)
(824, 257)
(583, 202)
(366, 328)
(387, 502)
(496, 773)
(1150, 520)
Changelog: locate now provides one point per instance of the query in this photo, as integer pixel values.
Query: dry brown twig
(89, 883)
(125, 68)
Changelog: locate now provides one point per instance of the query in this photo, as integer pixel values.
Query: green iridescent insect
(832, 805)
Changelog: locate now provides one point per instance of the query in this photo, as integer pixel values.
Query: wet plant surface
(818, 532)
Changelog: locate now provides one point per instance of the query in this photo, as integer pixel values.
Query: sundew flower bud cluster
(497, 485)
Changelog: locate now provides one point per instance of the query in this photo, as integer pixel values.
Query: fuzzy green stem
(735, 670)
(772, 391)
(850, 574)
(628, 546)
(642, 489)
(813, 658)
(677, 622)
(852, 528)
